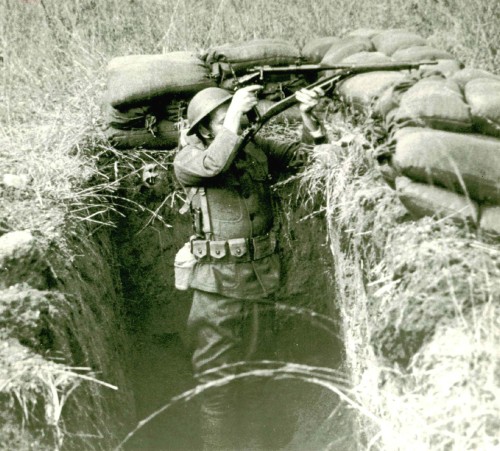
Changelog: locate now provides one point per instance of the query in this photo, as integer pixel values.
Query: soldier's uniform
(237, 265)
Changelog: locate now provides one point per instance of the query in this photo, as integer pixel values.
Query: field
(53, 56)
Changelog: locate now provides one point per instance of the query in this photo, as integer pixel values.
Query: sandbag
(421, 53)
(364, 33)
(388, 173)
(362, 90)
(390, 98)
(445, 68)
(344, 48)
(138, 79)
(459, 162)
(390, 41)
(422, 200)
(127, 119)
(366, 58)
(164, 135)
(462, 77)
(315, 49)
(290, 115)
(436, 103)
(483, 97)
(490, 219)
(244, 55)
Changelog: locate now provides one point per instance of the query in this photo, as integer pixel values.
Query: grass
(413, 289)
(53, 62)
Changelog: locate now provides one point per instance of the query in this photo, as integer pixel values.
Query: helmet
(203, 103)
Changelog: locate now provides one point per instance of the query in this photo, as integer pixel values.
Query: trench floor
(162, 369)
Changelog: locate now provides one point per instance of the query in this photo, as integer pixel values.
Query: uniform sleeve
(288, 156)
(192, 165)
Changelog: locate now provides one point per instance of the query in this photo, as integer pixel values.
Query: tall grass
(53, 57)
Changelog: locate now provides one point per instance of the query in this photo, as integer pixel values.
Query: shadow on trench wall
(157, 313)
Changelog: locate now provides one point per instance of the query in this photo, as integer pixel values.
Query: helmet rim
(213, 103)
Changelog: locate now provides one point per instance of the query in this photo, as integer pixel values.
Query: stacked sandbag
(464, 163)
(449, 174)
(463, 76)
(361, 91)
(483, 97)
(139, 79)
(443, 152)
(237, 58)
(390, 41)
(147, 97)
(421, 199)
(228, 61)
(315, 49)
(345, 47)
(434, 102)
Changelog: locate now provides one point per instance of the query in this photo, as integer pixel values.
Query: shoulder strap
(207, 224)
(191, 192)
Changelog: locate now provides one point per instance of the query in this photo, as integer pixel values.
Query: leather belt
(235, 249)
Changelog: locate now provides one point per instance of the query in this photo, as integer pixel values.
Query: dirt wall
(63, 343)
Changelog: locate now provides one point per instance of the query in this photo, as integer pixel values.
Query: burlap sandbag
(390, 41)
(490, 219)
(126, 119)
(238, 57)
(462, 77)
(344, 48)
(483, 97)
(367, 58)
(361, 91)
(164, 135)
(421, 53)
(390, 99)
(464, 163)
(445, 68)
(421, 200)
(436, 103)
(138, 79)
(315, 49)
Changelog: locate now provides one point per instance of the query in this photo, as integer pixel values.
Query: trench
(156, 314)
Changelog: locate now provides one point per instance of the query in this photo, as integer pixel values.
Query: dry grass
(425, 294)
(52, 69)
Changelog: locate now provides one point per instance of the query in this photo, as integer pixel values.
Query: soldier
(236, 249)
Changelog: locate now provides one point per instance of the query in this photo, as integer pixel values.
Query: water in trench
(160, 358)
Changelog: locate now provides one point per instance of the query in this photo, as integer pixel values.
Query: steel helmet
(203, 103)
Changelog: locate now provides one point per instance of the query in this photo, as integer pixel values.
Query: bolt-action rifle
(326, 83)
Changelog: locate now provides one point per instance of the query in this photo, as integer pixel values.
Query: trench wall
(418, 302)
(64, 367)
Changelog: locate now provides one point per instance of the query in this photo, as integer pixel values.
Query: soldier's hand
(245, 99)
(309, 98)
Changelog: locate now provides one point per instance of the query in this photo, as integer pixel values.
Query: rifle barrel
(307, 68)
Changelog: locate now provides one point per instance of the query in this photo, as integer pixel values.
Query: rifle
(326, 83)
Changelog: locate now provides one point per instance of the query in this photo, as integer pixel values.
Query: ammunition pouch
(234, 250)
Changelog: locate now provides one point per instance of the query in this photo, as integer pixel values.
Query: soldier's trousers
(224, 331)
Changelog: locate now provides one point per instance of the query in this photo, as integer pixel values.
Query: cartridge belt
(235, 249)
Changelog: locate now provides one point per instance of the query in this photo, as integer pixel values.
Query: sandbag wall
(147, 95)
(443, 122)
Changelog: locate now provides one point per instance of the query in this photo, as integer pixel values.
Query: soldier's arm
(291, 155)
(193, 164)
